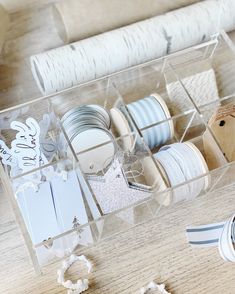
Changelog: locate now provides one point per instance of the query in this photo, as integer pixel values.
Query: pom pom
(68, 284)
(142, 290)
(81, 285)
(72, 258)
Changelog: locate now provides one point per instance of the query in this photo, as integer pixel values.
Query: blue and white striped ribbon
(217, 234)
(146, 112)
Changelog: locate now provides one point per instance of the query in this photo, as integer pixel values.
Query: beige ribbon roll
(4, 24)
(79, 19)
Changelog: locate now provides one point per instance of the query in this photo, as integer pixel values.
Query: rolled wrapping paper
(146, 113)
(4, 24)
(80, 19)
(218, 234)
(113, 51)
(182, 163)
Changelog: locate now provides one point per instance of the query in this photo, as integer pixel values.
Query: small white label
(7, 155)
(26, 146)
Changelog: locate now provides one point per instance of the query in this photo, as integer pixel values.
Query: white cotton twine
(116, 50)
(154, 286)
(82, 284)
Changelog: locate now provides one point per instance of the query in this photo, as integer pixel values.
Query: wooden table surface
(155, 250)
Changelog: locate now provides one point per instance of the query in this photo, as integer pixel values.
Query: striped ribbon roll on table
(218, 234)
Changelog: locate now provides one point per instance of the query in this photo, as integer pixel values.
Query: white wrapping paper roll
(4, 24)
(110, 52)
(80, 19)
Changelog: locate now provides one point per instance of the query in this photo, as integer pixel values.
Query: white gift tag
(96, 213)
(7, 156)
(26, 146)
(57, 249)
(38, 212)
(69, 205)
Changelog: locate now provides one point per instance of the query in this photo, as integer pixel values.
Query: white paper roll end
(37, 75)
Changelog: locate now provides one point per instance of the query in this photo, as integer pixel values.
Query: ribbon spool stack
(87, 127)
(180, 163)
(147, 112)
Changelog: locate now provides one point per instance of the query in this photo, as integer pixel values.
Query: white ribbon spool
(218, 234)
(116, 50)
(181, 163)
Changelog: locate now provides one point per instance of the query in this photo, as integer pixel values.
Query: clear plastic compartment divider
(171, 77)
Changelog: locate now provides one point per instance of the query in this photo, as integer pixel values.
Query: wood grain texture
(155, 250)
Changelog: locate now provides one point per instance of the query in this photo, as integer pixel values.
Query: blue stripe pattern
(204, 242)
(146, 112)
(204, 229)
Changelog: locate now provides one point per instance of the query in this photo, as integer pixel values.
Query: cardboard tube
(79, 19)
(4, 24)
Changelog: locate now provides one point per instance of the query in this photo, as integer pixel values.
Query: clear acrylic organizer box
(190, 118)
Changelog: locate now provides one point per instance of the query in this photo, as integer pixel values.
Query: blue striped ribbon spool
(146, 112)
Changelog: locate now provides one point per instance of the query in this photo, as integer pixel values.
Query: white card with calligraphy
(26, 147)
(7, 156)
